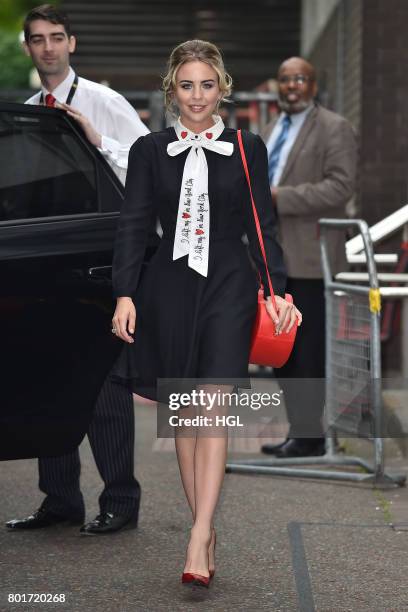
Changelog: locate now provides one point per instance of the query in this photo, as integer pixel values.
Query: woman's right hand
(124, 319)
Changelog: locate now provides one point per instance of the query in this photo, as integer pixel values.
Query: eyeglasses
(299, 79)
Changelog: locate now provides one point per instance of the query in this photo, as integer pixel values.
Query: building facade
(127, 42)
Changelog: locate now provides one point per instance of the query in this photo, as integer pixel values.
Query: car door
(59, 205)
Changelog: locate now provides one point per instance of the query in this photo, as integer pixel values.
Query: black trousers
(111, 436)
(304, 398)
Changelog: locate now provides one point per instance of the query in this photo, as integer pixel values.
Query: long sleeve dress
(189, 326)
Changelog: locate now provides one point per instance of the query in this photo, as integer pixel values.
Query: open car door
(59, 205)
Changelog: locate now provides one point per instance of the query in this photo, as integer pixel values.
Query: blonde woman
(197, 301)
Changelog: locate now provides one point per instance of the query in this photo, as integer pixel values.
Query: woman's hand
(92, 135)
(285, 315)
(124, 319)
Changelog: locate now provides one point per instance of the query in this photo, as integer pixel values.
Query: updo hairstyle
(190, 51)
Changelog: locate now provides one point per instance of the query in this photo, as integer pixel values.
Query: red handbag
(266, 348)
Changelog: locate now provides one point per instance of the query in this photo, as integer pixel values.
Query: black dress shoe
(301, 448)
(42, 518)
(271, 449)
(107, 522)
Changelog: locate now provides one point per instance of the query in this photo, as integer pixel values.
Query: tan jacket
(318, 180)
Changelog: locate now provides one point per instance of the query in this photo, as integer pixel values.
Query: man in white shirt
(108, 120)
(112, 125)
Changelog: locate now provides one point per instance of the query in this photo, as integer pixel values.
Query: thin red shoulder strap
(257, 224)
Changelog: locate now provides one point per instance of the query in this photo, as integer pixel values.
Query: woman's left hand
(285, 316)
(92, 135)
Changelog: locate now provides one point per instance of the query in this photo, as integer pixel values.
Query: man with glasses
(312, 156)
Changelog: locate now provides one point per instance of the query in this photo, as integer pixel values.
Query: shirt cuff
(115, 152)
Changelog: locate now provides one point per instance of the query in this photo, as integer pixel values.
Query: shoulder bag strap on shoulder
(257, 224)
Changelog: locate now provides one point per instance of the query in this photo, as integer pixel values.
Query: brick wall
(337, 56)
(352, 49)
(324, 57)
(361, 60)
(128, 42)
(384, 143)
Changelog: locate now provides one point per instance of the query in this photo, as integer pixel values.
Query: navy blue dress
(190, 326)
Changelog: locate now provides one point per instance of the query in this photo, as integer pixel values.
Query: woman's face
(196, 95)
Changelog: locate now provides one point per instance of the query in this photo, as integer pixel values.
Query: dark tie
(50, 100)
(277, 148)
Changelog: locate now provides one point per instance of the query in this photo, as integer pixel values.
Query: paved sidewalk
(283, 544)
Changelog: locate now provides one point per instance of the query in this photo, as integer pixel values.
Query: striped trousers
(111, 435)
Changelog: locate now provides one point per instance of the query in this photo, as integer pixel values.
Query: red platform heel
(195, 580)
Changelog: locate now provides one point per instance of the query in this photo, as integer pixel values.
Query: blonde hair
(190, 51)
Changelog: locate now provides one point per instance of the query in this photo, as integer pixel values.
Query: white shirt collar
(211, 133)
(61, 92)
(298, 117)
(207, 138)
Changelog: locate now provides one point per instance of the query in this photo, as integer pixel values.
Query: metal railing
(353, 389)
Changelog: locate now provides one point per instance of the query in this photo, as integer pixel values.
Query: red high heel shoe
(190, 578)
(197, 580)
(212, 571)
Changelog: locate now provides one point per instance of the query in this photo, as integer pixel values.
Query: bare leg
(209, 461)
(185, 440)
(185, 448)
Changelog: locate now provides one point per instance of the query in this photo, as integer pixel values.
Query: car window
(45, 169)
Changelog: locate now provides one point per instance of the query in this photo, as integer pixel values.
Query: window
(45, 169)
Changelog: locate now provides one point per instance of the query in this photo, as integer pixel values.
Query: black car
(59, 206)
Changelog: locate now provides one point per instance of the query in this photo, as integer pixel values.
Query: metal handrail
(373, 289)
(326, 224)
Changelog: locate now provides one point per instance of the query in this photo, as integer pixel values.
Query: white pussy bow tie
(192, 236)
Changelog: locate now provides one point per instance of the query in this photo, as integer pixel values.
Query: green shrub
(12, 12)
(15, 66)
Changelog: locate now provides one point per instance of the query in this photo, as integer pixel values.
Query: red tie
(50, 100)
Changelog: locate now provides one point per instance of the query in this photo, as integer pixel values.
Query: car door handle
(99, 272)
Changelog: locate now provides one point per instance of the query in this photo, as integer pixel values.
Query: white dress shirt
(297, 120)
(110, 114)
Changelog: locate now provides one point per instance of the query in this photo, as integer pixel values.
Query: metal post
(156, 109)
(404, 321)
